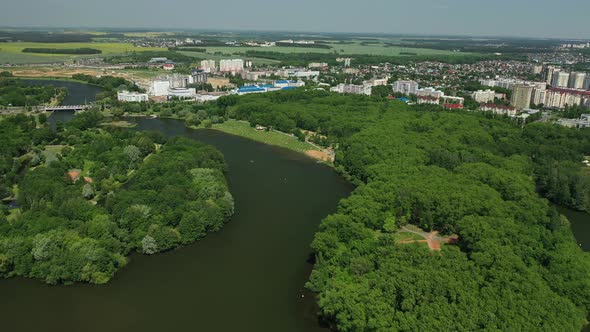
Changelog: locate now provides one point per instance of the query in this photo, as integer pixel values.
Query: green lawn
(243, 129)
(51, 152)
(407, 236)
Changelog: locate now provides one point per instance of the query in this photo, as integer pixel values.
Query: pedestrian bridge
(66, 108)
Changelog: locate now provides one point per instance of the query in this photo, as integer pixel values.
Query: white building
(231, 66)
(376, 81)
(364, 89)
(576, 80)
(560, 98)
(539, 96)
(182, 92)
(127, 96)
(320, 65)
(560, 79)
(160, 87)
(307, 74)
(405, 87)
(288, 84)
(208, 66)
(429, 92)
(499, 109)
(482, 96)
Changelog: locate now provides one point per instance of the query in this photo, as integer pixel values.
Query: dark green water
(78, 93)
(580, 226)
(250, 276)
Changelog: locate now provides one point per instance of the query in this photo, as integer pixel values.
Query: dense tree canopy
(14, 92)
(515, 265)
(105, 194)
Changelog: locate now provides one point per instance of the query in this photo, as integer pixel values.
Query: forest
(83, 50)
(15, 92)
(87, 196)
(515, 264)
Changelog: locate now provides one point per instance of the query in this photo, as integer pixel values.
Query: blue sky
(526, 18)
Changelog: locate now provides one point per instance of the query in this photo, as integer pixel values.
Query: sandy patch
(319, 155)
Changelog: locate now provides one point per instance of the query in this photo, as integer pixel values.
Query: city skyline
(450, 17)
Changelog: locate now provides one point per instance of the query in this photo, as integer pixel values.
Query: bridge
(65, 108)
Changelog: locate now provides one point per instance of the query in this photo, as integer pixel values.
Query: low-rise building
(182, 92)
(364, 89)
(582, 122)
(318, 65)
(499, 109)
(126, 96)
(484, 96)
(405, 87)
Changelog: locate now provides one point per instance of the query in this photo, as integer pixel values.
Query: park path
(432, 239)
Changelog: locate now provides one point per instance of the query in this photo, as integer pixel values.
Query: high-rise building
(405, 87)
(587, 83)
(231, 66)
(208, 66)
(539, 96)
(199, 77)
(521, 96)
(576, 80)
(560, 79)
(548, 74)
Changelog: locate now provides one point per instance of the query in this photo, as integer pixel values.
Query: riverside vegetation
(102, 195)
(515, 266)
(14, 92)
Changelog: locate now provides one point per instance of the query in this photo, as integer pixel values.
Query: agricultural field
(12, 52)
(342, 49)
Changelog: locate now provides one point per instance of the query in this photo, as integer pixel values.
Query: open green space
(243, 129)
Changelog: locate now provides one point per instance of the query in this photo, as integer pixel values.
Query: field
(209, 56)
(342, 49)
(243, 129)
(12, 52)
(139, 76)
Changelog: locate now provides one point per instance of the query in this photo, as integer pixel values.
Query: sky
(517, 18)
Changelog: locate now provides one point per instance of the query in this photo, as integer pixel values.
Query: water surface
(250, 276)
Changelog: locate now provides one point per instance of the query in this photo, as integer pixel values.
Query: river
(78, 93)
(250, 276)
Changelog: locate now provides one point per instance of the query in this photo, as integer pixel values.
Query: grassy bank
(243, 129)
